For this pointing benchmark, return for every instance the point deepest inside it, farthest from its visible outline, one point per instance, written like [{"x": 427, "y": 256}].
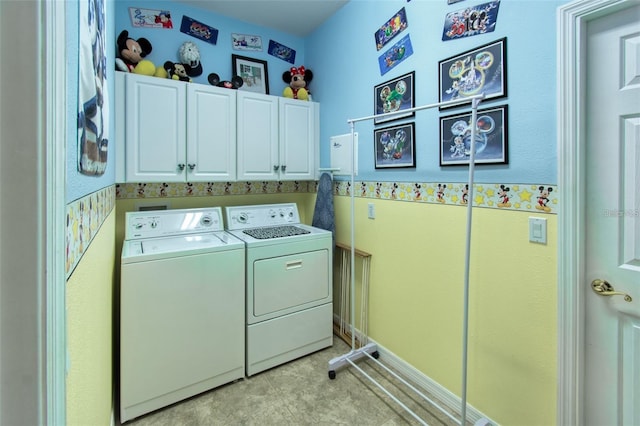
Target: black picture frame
[
  {"x": 395, "y": 146},
  {"x": 394, "y": 96},
  {"x": 482, "y": 70},
  {"x": 491, "y": 137},
  {"x": 254, "y": 73}
]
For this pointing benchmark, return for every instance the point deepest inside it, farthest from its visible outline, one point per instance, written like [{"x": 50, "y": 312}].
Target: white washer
[
  {"x": 181, "y": 308},
  {"x": 289, "y": 283}
]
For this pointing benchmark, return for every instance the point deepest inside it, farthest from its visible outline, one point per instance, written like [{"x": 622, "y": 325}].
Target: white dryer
[
  {"x": 289, "y": 283},
  {"x": 181, "y": 308}
]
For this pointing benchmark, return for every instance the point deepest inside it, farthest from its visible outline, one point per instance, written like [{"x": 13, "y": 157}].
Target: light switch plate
[
  {"x": 371, "y": 211},
  {"x": 538, "y": 230}
]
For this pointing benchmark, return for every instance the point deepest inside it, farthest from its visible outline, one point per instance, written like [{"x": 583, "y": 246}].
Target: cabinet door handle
[
  {"x": 181, "y": 167},
  {"x": 275, "y": 168},
  {"x": 192, "y": 166},
  {"x": 284, "y": 168}
]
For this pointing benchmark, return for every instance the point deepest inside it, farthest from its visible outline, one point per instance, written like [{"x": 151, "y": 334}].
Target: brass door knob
[{"x": 603, "y": 288}]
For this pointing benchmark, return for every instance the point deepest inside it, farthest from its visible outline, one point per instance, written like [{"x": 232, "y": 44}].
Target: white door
[
  {"x": 612, "y": 217},
  {"x": 211, "y": 133}
]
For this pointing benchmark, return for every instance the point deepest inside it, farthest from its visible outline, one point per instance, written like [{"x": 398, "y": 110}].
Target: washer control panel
[
  {"x": 247, "y": 217},
  {"x": 149, "y": 224}
]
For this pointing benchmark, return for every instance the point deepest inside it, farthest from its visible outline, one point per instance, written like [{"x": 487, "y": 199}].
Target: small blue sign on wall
[
  {"x": 199, "y": 30},
  {"x": 391, "y": 28},
  {"x": 396, "y": 54},
  {"x": 281, "y": 51}
]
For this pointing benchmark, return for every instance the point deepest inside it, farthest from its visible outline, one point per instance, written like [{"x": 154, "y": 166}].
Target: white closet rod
[
  {"x": 470, "y": 99},
  {"x": 371, "y": 348}
]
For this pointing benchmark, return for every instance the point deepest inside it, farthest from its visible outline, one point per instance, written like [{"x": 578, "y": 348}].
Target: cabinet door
[
  {"x": 155, "y": 129},
  {"x": 211, "y": 133},
  {"x": 298, "y": 139},
  {"x": 257, "y": 136}
]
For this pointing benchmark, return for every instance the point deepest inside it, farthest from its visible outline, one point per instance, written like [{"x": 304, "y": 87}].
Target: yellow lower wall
[
  {"x": 416, "y": 300},
  {"x": 416, "y": 294},
  {"x": 90, "y": 331}
]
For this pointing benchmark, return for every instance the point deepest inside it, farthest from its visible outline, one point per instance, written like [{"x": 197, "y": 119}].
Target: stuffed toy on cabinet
[
  {"x": 178, "y": 71},
  {"x": 297, "y": 79},
  {"x": 190, "y": 55},
  {"x": 130, "y": 54}
]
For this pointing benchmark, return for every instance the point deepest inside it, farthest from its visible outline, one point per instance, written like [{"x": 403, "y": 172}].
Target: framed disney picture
[
  {"x": 254, "y": 73},
  {"x": 482, "y": 70},
  {"x": 491, "y": 137},
  {"x": 395, "y": 146},
  {"x": 394, "y": 96}
]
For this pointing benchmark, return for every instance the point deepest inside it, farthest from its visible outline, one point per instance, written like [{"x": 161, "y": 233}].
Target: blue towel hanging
[{"x": 323, "y": 215}]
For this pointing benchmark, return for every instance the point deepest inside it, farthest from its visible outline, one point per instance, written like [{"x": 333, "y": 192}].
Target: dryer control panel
[
  {"x": 247, "y": 217},
  {"x": 161, "y": 223}
]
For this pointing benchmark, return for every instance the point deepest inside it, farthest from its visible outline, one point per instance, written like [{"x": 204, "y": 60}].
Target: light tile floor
[{"x": 301, "y": 393}]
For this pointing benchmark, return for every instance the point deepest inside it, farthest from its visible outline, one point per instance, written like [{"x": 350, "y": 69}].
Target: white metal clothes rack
[{"x": 370, "y": 350}]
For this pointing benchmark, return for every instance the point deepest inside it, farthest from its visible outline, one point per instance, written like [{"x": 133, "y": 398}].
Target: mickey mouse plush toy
[
  {"x": 297, "y": 79},
  {"x": 131, "y": 53},
  {"x": 178, "y": 71}
]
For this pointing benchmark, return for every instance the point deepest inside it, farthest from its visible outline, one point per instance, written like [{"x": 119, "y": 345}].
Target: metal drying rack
[{"x": 370, "y": 350}]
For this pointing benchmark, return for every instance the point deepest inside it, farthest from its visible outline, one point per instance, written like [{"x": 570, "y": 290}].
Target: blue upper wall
[
  {"x": 344, "y": 59},
  {"x": 215, "y": 58},
  {"x": 343, "y": 56}
]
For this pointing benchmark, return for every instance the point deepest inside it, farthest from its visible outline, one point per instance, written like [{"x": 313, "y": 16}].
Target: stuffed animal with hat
[
  {"x": 297, "y": 79},
  {"x": 190, "y": 55},
  {"x": 131, "y": 53}
]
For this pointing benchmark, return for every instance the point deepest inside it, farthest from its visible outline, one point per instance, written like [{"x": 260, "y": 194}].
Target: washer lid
[{"x": 153, "y": 248}]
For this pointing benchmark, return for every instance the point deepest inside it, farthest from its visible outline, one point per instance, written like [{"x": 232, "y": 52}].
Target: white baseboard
[{"x": 422, "y": 382}]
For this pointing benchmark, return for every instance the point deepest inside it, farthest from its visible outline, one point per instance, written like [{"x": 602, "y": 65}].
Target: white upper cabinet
[
  {"x": 277, "y": 138},
  {"x": 257, "y": 142},
  {"x": 298, "y": 137},
  {"x": 175, "y": 131},
  {"x": 155, "y": 137},
  {"x": 172, "y": 131},
  {"x": 211, "y": 133}
]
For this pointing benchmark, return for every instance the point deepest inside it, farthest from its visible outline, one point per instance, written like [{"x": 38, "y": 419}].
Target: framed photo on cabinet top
[
  {"x": 394, "y": 96},
  {"x": 395, "y": 146},
  {"x": 491, "y": 137},
  {"x": 482, "y": 70},
  {"x": 254, "y": 73}
]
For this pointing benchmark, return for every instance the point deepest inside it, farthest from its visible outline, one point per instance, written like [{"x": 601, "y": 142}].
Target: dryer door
[{"x": 289, "y": 283}]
